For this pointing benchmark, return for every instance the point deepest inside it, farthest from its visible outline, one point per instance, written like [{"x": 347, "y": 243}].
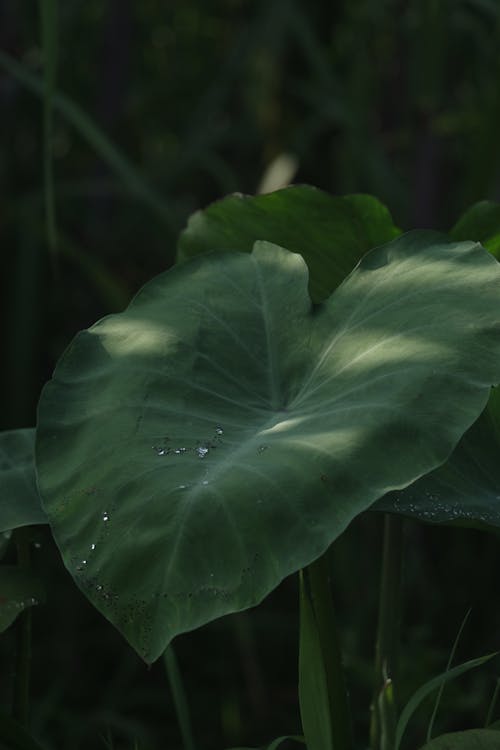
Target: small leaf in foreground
[{"x": 472, "y": 739}]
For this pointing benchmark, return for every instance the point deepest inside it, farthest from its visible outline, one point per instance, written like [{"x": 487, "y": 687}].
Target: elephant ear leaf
[
  {"x": 19, "y": 499},
  {"x": 332, "y": 233},
  {"x": 222, "y": 431}
]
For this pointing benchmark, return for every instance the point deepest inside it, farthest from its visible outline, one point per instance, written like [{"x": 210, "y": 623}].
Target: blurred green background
[{"x": 163, "y": 108}]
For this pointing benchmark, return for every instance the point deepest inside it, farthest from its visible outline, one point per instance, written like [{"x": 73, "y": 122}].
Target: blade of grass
[
  {"x": 48, "y": 18},
  {"x": 179, "y": 696},
  {"x": 441, "y": 687},
  {"x": 114, "y": 293},
  {"x": 491, "y": 708},
  {"x": 383, "y": 718},
  {"x": 96, "y": 138},
  {"x": 23, "y": 647},
  {"x": 432, "y": 685},
  {"x": 276, "y": 743},
  {"x": 324, "y": 705}
]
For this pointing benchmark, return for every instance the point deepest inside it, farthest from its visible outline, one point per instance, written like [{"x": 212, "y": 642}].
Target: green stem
[
  {"x": 383, "y": 719},
  {"x": 23, "y": 645},
  {"x": 179, "y": 697},
  {"x": 48, "y": 17},
  {"x": 324, "y": 703}
]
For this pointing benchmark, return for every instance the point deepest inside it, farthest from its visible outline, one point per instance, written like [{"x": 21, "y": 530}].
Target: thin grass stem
[
  {"x": 22, "y": 677},
  {"x": 179, "y": 698},
  {"x": 384, "y": 707},
  {"x": 448, "y": 667},
  {"x": 48, "y": 17}
]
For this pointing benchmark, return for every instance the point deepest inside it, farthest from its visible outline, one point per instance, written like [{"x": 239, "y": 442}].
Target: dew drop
[
  {"x": 219, "y": 430},
  {"x": 263, "y": 448},
  {"x": 202, "y": 451},
  {"x": 105, "y": 516},
  {"x": 92, "y": 546}
]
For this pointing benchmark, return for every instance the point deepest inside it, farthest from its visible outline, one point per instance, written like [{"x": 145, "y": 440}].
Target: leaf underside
[{"x": 465, "y": 491}]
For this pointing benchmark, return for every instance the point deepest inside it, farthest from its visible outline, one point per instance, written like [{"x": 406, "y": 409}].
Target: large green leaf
[
  {"x": 331, "y": 233},
  {"x": 466, "y": 489},
  {"x": 481, "y": 222},
  {"x": 19, "y": 498},
  {"x": 472, "y": 739},
  {"x": 221, "y": 432}
]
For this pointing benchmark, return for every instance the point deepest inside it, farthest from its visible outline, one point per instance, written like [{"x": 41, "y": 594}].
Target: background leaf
[
  {"x": 481, "y": 222},
  {"x": 331, "y": 233},
  {"x": 19, "y": 498},
  {"x": 19, "y": 589},
  {"x": 178, "y": 439},
  {"x": 466, "y": 489}
]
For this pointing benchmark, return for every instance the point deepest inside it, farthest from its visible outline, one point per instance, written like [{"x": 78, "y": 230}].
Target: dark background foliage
[{"x": 198, "y": 99}]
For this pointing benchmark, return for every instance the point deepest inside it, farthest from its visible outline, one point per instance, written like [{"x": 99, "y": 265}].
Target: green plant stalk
[
  {"x": 448, "y": 667},
  {"x": 179, "y": 696},
  {"x": 48, "y": 17},
  {"x": 383, "y": 718},
  {"x": 23, "y": 646},
  {"x": 315, "y": 585}
]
